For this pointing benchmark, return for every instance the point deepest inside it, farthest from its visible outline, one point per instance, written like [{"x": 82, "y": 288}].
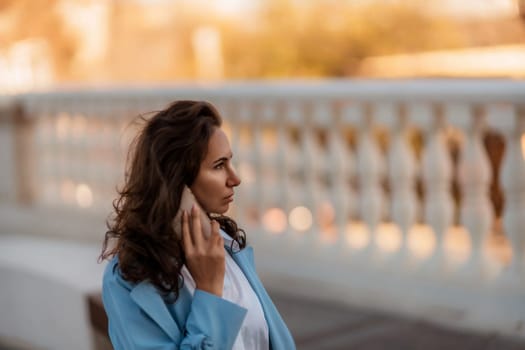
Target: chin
[{"x": 221, "y": 210}]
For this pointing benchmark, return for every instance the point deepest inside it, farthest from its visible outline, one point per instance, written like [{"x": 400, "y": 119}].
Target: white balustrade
[{"x": 301, "y": 149}]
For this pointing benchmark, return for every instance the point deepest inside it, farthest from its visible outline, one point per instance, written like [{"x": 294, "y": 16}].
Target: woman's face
[{"x": 213, "y": 187}]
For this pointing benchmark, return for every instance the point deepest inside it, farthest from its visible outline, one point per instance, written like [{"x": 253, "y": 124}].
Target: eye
[{"x": 219, "y": 166}]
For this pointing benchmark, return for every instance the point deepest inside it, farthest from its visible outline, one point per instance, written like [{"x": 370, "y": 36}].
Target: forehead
[{"x": 218, "y": 145}]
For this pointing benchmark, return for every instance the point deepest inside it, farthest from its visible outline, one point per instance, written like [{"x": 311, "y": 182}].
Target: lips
[{"x": 229, "y": 198}]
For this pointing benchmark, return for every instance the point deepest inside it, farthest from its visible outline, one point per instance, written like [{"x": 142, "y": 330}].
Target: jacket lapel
[{"x": 149, "y": 300}]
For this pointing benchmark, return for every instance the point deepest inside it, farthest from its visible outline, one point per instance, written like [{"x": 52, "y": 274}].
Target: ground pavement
[{"x": 330, "y": 326}]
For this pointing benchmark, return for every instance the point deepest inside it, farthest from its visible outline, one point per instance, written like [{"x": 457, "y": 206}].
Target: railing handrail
[{"x": 427, "y": 90}]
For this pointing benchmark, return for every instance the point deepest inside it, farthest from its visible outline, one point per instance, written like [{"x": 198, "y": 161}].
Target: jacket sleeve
[{"x": 212, "y": 322}]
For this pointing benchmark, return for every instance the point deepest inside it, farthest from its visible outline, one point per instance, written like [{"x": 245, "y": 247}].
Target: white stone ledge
[
  {"x": 44, "y": 284},
  {"x": 71, "y": 224}
]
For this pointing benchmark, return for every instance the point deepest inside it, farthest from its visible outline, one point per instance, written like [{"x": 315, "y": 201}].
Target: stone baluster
[
  {"x": 259, "y": 198},
  {"x": 94, "y": 156},
  {"x": 511, "y": 120},
  {"x": 112, "y": 158},
  {"x": 124, "y": 133},
  {"x": 75, "y": 142},
  {"x": 340, "y": 162},
  {"x": 9, "y": 113},
  {"x": 370, "y": 172},
  {"x": 113, "y": 135},
  {"x": 228, "y": 112},
  {"x": 474, "y": 176},
  {"x": 401, "y": 174},
  {"x": 283, "y": 155},
  {"x": 60, "y": 159},
  {"x": 294, "y": 157},
  {"x": 46, "y": 150},
  {"x": 294, "y": 116},
  {"x": 271, "y": 187},
  {"x": 323, "y": 115},
  {"x": 437, "y": 175},
  {"x": 102, "y": 155},
  {"x": 311, "y": 158},
  {"x": 18, "y": 128},
  {"x": 246, "y": 165}
]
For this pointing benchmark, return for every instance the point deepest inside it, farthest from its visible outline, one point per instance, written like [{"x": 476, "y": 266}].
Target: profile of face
[{"x": 215, "y": 182}]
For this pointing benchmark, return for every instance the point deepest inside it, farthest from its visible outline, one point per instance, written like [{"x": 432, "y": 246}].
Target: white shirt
[{"x": 253, "y": 334}]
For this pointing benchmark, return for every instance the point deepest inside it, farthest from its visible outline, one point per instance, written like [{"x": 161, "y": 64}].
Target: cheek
[{"x": 206, "y": 190}]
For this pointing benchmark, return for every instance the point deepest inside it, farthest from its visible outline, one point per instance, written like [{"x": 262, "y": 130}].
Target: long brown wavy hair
[{"x": 165, "y": 155}]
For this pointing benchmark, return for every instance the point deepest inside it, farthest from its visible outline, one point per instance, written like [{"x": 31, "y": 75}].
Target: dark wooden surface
[
  {"x": 97, "y": 315},
  {"x": 324, "y": 325}
]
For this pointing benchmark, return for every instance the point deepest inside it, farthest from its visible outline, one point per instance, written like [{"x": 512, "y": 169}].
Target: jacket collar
[
  {"x": 146, "y": 296},
  {"x": 148, "y": 299}
]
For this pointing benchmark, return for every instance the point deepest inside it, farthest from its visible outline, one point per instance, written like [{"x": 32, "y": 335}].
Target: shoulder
[
  {"x": 113, "y": 283},
  {"x": 121, "y": 291}
]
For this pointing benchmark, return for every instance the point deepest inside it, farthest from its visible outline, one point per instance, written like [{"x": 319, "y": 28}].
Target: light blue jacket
[{"x": 139, "y": 318}]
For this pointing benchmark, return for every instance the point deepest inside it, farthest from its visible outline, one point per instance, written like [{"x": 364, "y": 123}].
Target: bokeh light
[
  {"x": 301, "y": 218},
  {"x": 388, "y": 237},
  {"x": 84, "y": 196},
  {"x": 523, "y": 146},
  {"x": 325, "y": 214},
  {"x": 457, "y": 244},
  {"x": 357, "y": 235},
  {"x": 274, "y": 220},
  {"x": 421, "y": 241}
]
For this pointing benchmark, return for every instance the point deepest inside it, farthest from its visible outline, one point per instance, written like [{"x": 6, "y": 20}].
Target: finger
[
  {"x": 215, "y": 234},
  {"x": 196, "y": 226},
  {"x": 215, "y": 227},
  {"x": 185, "y": 228},
  {"x": 220, "y": 242}
]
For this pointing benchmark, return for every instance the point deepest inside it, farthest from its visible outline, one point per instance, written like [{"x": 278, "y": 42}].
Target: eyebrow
[{"x": 223, "y": 159}]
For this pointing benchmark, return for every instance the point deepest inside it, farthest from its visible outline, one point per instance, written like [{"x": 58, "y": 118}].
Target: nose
[{"x": 233, "y": 179}]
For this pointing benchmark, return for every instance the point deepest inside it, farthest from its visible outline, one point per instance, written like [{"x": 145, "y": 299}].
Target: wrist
[{"x": 209, "y": 289}]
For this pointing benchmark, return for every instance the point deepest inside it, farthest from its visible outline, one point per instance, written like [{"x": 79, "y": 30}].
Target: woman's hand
[{"x": 204, "y": 256}]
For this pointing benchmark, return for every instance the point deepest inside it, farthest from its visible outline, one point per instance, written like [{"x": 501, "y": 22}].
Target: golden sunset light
[{"x": 95, "y": 41}]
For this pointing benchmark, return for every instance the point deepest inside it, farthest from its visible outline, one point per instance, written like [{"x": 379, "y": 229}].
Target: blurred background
[
  {"x": 46, "y": 43},
  {"x": 381, "y": 145}
]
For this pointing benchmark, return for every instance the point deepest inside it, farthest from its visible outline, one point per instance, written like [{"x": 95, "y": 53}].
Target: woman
[{"x": 170, "y": 286}]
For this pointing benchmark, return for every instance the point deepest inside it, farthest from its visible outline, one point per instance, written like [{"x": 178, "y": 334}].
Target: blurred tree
[
  {"x": 152, "y": 41},
  {"x": 38, "y": 19},
  {"x": 331, "y": 37}
]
